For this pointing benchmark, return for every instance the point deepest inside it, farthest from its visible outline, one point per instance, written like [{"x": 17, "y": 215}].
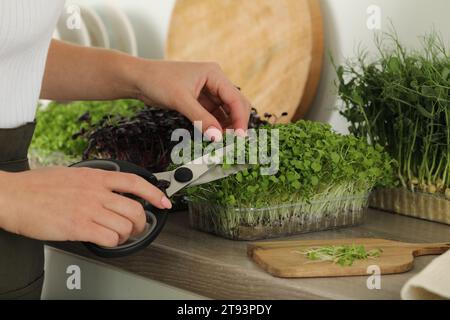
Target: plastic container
[
  {"x": 38, "y": 160},
  {"x": 277, "y": 221},
  {"x": 432, "y": 207}
]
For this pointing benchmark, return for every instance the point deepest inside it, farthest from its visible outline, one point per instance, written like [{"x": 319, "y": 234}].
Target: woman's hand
[
  {"x": 75, "y": 204},
  {"x": 200, "y": 91}
]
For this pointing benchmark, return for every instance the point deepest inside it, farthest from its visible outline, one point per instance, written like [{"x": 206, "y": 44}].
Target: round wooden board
[{"x": 272, "y": 49}]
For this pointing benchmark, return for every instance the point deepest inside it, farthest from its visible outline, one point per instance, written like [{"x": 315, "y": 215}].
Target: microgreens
[
  {"x": 343, "y": 255},
  {"x": 401, "y": 101},
  {"x": 314, "y": 163},
  {"x": 58, "y": 122}
]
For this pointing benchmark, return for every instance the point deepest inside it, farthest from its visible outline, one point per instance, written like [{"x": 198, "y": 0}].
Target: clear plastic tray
[
  {"x": 38, "y": 160},
  {"x": 433, "y": 207},
  {"x": 277, "y": 221}
]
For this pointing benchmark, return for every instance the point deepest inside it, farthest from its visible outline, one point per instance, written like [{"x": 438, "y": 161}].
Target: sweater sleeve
[{"x": 26, "y": 28}]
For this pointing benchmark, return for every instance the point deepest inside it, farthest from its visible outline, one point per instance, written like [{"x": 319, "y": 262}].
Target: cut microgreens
[
  {"x": 344, "y": 255},
  {"x": 401, "y": 101}
]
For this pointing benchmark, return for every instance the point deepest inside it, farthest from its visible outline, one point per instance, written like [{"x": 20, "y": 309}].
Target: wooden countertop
[{"x": 220, "y": 269}]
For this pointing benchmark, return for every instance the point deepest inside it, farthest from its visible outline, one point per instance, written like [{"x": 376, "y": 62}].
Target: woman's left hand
[{"x": 200, "y": 91}]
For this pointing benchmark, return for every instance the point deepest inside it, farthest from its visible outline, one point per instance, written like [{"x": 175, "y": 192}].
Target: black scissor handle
[{"x": 156, "y": 218}]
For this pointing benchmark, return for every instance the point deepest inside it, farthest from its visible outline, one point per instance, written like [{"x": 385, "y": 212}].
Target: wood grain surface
[
  {"x": 273, "y": 50},
  {"x": 220, "y": 269},
  {"x": 286, "y": 259}
]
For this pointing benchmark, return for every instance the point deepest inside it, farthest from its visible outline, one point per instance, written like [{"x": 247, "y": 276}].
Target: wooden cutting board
[
  {"x": 282, "y": 258},
  {"x": 272, "y": 50}
]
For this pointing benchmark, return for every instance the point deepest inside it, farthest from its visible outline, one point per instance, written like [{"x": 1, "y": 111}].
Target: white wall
[{"x": 345, "y": 29}]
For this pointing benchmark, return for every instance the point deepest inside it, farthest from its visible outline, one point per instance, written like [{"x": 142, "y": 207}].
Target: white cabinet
[{"x": 100, "y": 281}]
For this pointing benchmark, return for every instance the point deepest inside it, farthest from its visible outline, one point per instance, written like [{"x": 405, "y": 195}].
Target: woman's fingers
[
  {"x": 133, "y": 184},
  {"x": 116, "y": 223},
  {"x": 217, "y": 92},
  {"x": 216, "y": 100},
  {"x": 207, "y": 103},
  {"x": 239, "y": 108},
  {"x": 216, "y": 109},
  {"x": 100, "y": 235},
  {"x": 183, "y": 85},
  {"x": 76, "y": 204},
  {"x": 128, "y": 209},
  {"x": 210, "y": 125}
]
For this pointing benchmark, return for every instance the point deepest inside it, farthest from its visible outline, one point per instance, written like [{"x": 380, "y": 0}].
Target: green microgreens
[
  {"x": 344, "y": 255},
  {"x": 401, "y": 101},
  {"x": 58, "y": 122},
  {"x": 314, "y": 163}
]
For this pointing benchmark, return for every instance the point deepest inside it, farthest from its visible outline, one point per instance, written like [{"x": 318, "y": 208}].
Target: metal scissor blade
[
  {"x": 198, "y": 170},
  {"x": 217, "y": 173},
  {"x": 216, "y": 157},
  {"x": 205, "y": 169}
]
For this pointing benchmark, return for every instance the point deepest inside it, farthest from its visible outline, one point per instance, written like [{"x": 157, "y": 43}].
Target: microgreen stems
[
  {"x": 246, "y": 223},
  {"x": 344, "y": 255}
]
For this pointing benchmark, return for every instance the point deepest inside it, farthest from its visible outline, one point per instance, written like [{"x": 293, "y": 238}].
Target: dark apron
[{"x": 21, "y": 259}]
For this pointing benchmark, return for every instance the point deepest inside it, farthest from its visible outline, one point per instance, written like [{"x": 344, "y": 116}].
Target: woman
[{"x": 60, "y": 204}]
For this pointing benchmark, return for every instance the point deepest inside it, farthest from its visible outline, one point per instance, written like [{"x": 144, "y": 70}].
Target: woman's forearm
[
  {"x": 80, "y": 73},
  {"x": 200, "y": 91}
]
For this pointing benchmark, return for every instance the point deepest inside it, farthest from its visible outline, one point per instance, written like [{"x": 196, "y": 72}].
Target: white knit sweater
[{"x": 26, "y": 27}]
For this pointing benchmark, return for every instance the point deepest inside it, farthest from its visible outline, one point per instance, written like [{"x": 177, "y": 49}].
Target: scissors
[{"x": 203, "y": 170}]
